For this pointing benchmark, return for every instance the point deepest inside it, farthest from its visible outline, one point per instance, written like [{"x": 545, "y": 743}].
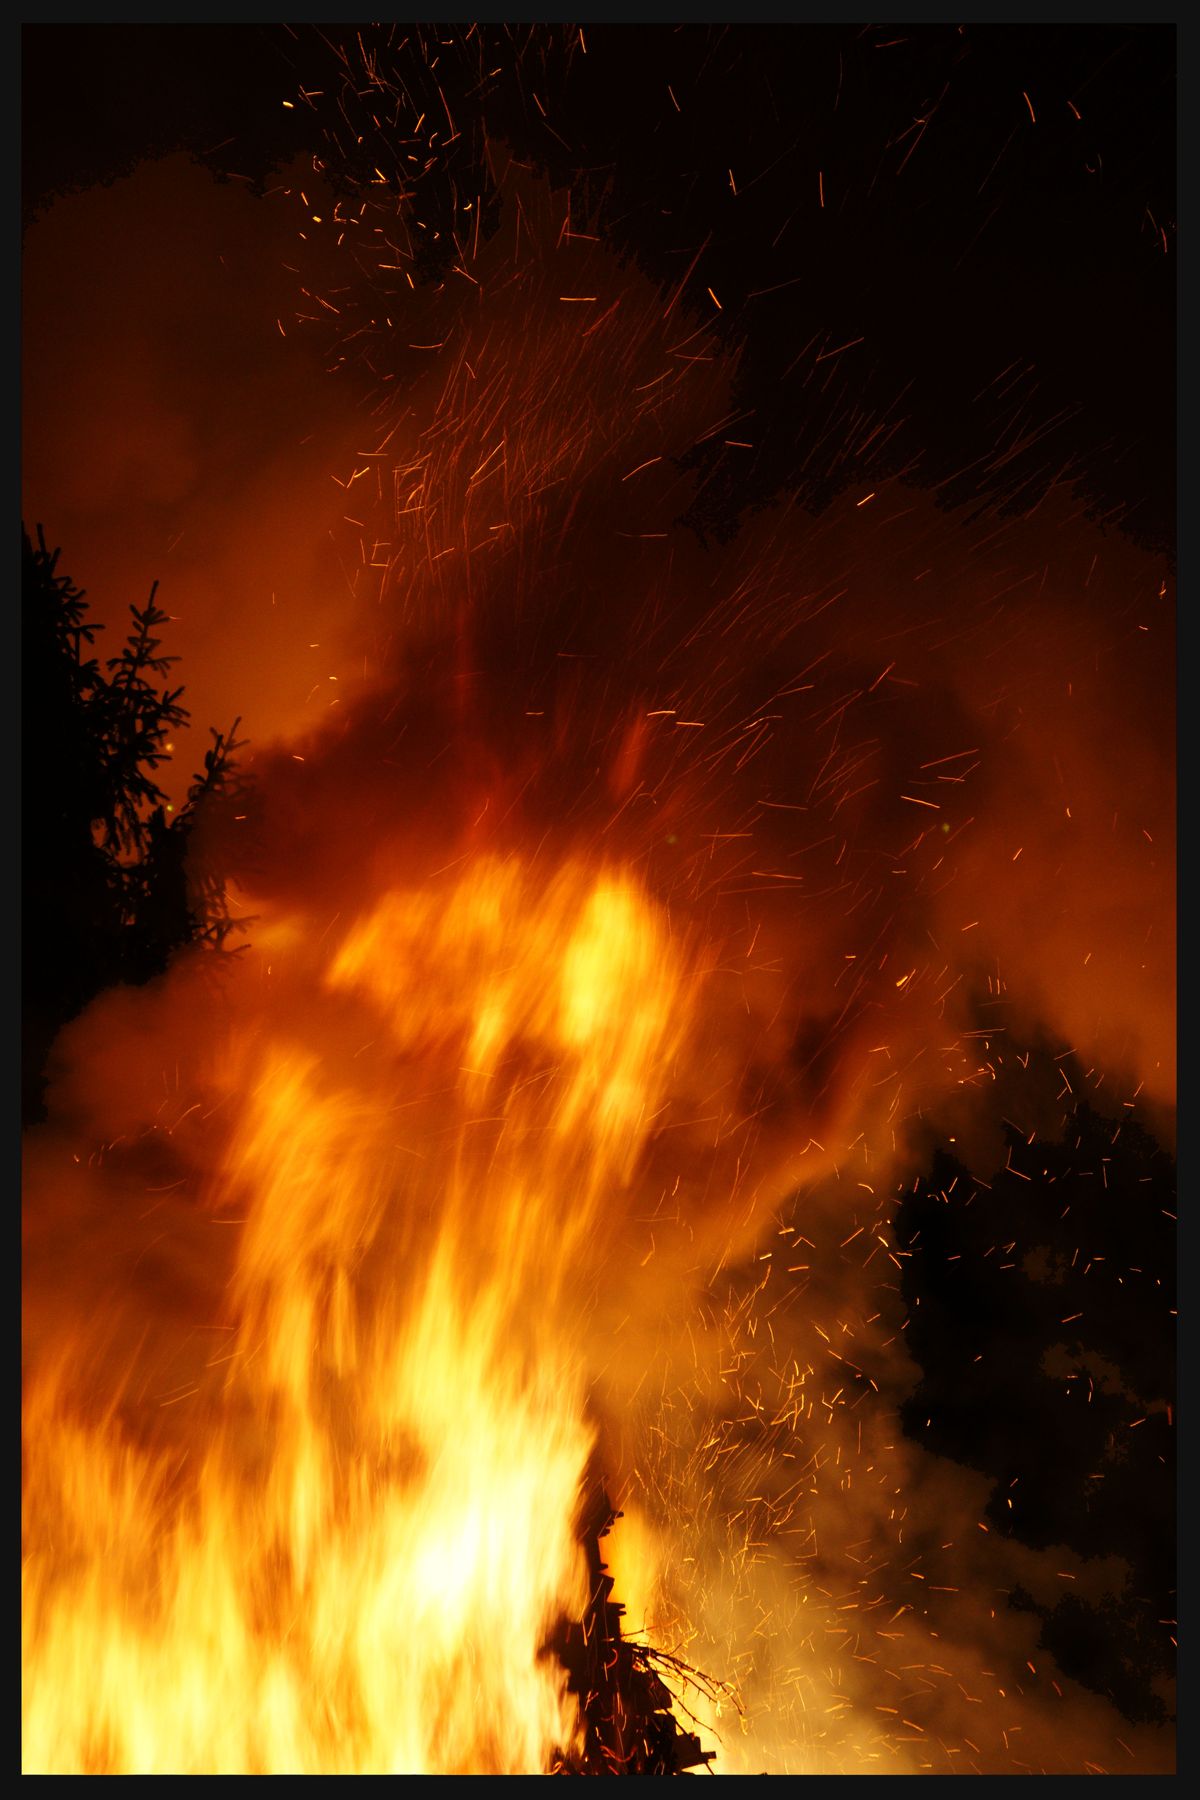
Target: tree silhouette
[
  {"x": 1042, "y": 1317},
  {"x": 109, "y": 888}
]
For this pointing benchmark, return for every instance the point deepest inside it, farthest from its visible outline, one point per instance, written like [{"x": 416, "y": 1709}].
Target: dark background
[{"x": 1010, "y": 272}]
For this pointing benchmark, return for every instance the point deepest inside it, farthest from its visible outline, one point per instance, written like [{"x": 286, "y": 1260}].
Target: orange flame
[{"x": 352, "y": 1557}]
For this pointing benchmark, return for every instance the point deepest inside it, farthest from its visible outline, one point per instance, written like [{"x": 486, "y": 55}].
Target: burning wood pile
[{"x": 626, "y": 1709}]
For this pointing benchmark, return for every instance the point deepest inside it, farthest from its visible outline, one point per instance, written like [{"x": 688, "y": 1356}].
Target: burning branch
[{"x": 629, "y": 1727}]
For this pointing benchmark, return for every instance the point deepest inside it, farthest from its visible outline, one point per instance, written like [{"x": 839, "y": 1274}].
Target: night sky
[
  {"x": 951, "y": 236},
  {"x": 933, "y": 269}
]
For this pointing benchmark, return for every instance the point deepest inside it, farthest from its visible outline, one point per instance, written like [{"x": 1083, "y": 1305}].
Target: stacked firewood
[{"x": 629, "y": 1725}]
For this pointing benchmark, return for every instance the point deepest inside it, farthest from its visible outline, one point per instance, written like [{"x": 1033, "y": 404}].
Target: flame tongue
[{"x": 343, "y": 1546}]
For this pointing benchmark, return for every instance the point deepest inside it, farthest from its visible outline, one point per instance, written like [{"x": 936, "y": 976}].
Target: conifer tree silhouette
[
  {"x": 109, "y": 891},
  {"x": 1042, "y": 1320}
]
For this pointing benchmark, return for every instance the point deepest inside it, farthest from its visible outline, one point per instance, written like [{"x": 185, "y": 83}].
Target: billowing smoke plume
[{"x": 895, "y": 781}]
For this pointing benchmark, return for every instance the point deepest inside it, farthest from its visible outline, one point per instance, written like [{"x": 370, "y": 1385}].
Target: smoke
[
  {"x": 900, "y": 780},
  {"x": 172, "y": 433}
]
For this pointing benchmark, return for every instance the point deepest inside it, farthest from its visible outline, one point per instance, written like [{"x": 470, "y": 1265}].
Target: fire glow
[
  {"x": 624, "y": 915},
  {"x": 357, "y": 1562}
]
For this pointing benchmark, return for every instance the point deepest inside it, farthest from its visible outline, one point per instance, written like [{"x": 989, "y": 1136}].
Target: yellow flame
[{"x": 342, "y": 1548}]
